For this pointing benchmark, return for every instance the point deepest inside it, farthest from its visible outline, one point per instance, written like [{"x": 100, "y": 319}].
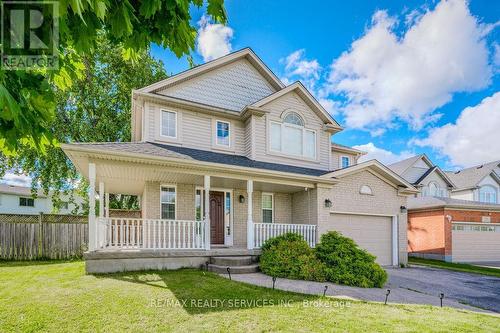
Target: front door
[{"x": 216, "y": 217}]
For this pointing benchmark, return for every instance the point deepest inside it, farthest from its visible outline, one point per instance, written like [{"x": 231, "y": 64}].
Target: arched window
[
  {"x": 291, "y": 137},
  {"x": 365, "y": 189},
  {"x": 294, "y": 119},
  {"x": 433, "y": 189},
  {"x": 488, "y": 194}
]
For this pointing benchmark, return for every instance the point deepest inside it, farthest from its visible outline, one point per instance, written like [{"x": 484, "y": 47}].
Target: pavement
[
  {"x": 489, "y": 264},
  {"x": 411, "y": 285}
]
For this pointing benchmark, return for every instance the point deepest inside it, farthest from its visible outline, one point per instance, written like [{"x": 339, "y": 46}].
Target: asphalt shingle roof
[
  {"x": 162, "y": 150},
  {"x": 401, "y": 166},
  {"x": 470, "y": 177},
  {"x": 428, "y": 202}
]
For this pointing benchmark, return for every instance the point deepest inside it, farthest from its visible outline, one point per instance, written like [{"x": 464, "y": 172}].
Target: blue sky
[{"x": 436, "y": 59}]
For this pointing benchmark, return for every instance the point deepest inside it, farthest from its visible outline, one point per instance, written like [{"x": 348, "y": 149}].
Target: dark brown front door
[{"x": 217, "y": 217}]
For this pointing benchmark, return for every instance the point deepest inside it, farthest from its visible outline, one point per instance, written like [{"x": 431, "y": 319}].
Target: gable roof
[
  {"x": 440, "y": 172},
  {"x": 403, "y": 165},
  {"x": 246, "y": 53},
  {"x": 299, "y": 88},
  {"x": 471, "y": 177},
  {"x": 382, "y": 172},
  {"x": 343, "y": 148}
]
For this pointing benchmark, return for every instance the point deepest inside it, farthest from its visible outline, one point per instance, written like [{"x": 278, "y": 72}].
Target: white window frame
[
  {"x": 175, "y": 204},
  {"x": 282, "y": 152},
  {"x": 341, "y": 166},
  {"x": 217, "y": 134},
  {"x": 176, "y": 124},
  {"x": 438, "y": 189},
  {"x": 494, "y": 191},
  {"x": 272, "y": 205}
]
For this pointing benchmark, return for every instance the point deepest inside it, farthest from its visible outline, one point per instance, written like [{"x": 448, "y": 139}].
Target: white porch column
[
  {"x": 250, "y": 236},
  {"x": 107, "y": 204},
  {"x": 207, "y": 212},
  {"x": 101, "y": 199},
  {"x": 92, "y": 220}
]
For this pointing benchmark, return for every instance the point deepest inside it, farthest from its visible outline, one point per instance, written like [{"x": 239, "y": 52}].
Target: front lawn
[
  {"x": 59, "y": 297},
  {"x": 455, "y": 267}
]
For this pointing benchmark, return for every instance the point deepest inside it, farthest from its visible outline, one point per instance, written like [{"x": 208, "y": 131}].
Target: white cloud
[
  {"x": 297, "y": 67},
  {"x": 295, "y": 64},
  {"x": 386, "y": 77},
  {"x": 474, "y": 138},
  {"x": 380, "y": 154},
  {"x": 214, "y": 40},
  {"x": 17, "y": 180}
]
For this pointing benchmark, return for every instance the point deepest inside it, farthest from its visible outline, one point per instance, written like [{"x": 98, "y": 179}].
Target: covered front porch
[{"x": 240, "y": 212}]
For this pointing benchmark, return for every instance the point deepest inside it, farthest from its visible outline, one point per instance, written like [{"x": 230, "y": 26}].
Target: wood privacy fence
[{"x": 44, "y": 236}]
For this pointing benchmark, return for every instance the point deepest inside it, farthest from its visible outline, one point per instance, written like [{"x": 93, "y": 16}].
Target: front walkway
[{"x": 414, "y": 285}]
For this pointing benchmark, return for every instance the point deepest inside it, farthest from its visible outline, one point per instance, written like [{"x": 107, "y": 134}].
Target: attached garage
[
  {"x": 453, "y": 230},
  {"x": 475, "y": 242},
  {"x": 371, "y": 232}
]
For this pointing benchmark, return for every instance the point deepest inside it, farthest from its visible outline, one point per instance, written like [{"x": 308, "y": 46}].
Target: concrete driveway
[{"x": 413, "y": 285}]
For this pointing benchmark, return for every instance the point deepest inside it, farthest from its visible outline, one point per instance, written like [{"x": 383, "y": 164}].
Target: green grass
[
  {"x": 456, "y": 267},
  {"x": 59, "y": 297}
]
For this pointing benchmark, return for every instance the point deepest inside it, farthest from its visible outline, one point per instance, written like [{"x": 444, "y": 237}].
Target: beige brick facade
[{"x": 303, "y": 207}]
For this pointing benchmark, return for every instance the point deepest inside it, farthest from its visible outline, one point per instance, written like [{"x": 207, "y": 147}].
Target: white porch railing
[
  {"x": 130, "y": 233},
  {"x": 264, "y": 231}
]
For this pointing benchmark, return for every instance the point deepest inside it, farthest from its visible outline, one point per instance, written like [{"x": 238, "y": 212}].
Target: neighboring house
[
  {"x": 424, "y": 175},
  {"x": 19, "y": 200},
  {"x": 446, "y": 228},
  {"x": 478, "y": 183},
  {"x": 343, "y": 156},
  {"x": 224, "y": 156}
]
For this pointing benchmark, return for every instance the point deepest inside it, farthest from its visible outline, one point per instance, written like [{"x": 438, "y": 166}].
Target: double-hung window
[
  {"x": 345, "y": 162},
  {"x": 223, "y": 129},
  {"x": 168, "y": 124},
  {"x": 292, "y": 138},
  {"x": 168, "y": 201},
  {"x": 27, "y": 202},
  {"x": 267, "y": 208}
]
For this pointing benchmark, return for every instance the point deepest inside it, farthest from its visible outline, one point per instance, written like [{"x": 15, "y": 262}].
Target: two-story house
[
  {"x": 225, "y": 156},
  {"x": 19, "y": 200},
  {"x": 425, "y": 176},
  {"x": 455, "y": 217},
  {"x": 479, "y": 183}
]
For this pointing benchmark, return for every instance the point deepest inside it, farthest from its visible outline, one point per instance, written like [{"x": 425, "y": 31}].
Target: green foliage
[
  {"x": 336, "y": 259},
  {"x": 27, "y": 101},
  {"x": 95, "y": 108},
  {"x": 290, "y": 256},
  {"x": 347, "y": 263}
]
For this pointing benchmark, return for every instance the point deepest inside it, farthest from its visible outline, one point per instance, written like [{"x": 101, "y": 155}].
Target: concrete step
[
  {"x": 234, "y": 269},
  {"x": 232, "y": 261}
]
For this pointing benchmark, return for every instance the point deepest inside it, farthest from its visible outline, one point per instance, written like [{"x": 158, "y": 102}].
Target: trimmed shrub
[
  {"x": 289, "y": 256},
  {"x": 347, "y": 264}
]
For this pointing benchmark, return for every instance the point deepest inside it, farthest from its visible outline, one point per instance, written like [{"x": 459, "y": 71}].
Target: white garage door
[
  {"x": 372, "y": 233},
  {"x": 473, "y": 242}
]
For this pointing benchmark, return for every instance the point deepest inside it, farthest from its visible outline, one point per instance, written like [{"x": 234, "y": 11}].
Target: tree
[
  {"x": 96, "y": 108},
  {"x": 27, "y": 100}
]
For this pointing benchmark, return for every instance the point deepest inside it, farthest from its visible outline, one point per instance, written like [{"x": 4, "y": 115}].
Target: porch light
[
  {"x": 403, "y": 209},
  {"x": 241, "y": 198},
  {"x": 328, "y": 203}
]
